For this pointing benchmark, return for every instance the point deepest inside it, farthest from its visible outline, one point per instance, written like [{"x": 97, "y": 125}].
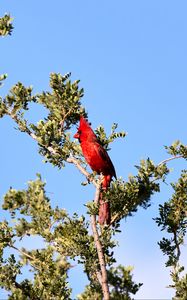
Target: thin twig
[
  {"x": 170, "y": 158},
  {"x": 24, "y": 254},
  {"x": 115, "y": 217},
  {"x": 76, "y": 162}
]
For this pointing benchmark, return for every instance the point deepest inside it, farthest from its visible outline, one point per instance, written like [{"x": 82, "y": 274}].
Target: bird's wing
[{"x": 105, "y": 157}]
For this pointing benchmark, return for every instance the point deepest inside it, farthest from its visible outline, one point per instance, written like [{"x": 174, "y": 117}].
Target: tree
[{"x": 68, "y": 237}]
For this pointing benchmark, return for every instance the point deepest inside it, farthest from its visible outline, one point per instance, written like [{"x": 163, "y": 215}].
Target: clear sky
[{"x": 131, "y": 58}]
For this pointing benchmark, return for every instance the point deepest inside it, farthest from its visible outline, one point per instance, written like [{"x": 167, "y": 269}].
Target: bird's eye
[{"x": 79, "y": 131}]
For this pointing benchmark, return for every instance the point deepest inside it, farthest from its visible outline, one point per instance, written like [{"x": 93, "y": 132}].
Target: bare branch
[
  {"x": 76, "y": 162},
  {"x": 168, "y": 159}
]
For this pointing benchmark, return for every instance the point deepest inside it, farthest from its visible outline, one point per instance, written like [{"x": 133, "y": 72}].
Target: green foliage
[
  {"x": 19, "y": 98},
  {"x": 91, "y": 292},
  {"x": 6, "y": 26},
  {"x": 63, "y": 102},
  {"x": 126, "y": 196},
  {"x": 9, "y": 270},
  {"x": 173, "y": 219},
  {"x": 32, "y": 215},
  {"x": 120, "y": 283},
  {"x": 2, "y": 105},
  {"x": 64, "y": 109},
  {"x": 2, "y": 78},
  {"x": 177, "y": 148},
  {"x": 6, "y": 235},
  {"x": 49, "y": 281},
  {"x": 78, "y": 244},
  {"x": 180, "y": 285},
  {"x": 29, "y": 203},
  {"x": 16, "y": 102},
  {"x": 102, "y": 137},
  {"x": 64, "y": 237}
]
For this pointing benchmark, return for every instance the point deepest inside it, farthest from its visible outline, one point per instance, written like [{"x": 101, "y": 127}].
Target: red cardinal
[{"x": 100, "y": 162}]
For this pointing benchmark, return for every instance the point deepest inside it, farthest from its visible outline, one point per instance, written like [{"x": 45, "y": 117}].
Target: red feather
[{"x": 99, "y": 161}]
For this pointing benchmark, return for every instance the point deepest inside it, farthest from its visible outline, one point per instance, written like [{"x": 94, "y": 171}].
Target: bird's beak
[{"x": 76, "y": 135}]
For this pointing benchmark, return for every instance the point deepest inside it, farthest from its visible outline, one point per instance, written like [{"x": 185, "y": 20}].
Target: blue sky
[{"x": 131, "y": 59}]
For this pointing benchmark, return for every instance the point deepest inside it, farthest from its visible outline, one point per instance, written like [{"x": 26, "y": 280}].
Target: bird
[{"x": 99, "y": 161}]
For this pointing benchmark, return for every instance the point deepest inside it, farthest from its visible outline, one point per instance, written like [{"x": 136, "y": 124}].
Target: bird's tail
[
  {"x": 104, "y": 212},
  {"x": 104, "y": 206}
]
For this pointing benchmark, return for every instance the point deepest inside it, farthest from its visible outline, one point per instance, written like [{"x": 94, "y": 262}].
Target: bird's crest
[
  {"x": 85, "y": 131},
  {"x": 84, "y": 124}
]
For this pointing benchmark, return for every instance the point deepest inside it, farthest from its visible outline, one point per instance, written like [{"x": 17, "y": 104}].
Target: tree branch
[{"x": 102, "y": 275}]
